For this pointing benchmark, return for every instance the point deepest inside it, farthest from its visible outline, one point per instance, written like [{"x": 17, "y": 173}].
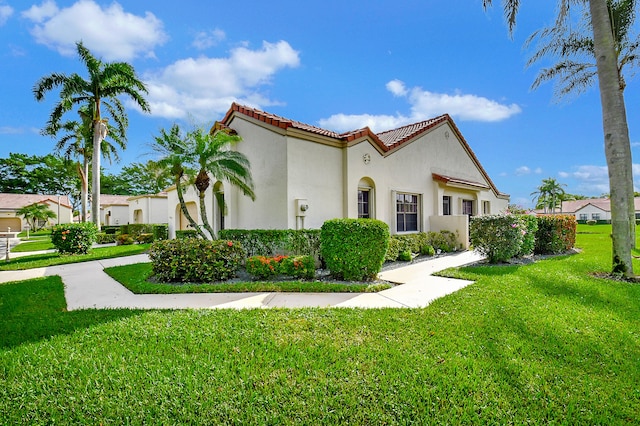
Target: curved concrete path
[{"x": 87, "y": 286}]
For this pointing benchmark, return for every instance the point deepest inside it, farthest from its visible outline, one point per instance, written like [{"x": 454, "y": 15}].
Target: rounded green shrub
[
  {"x": 405, "y": 256},
  {"x": 354, "y": 249},
  {"x": 556, "y": 234},
  {"x": 195, "y": 260},
  {"x": 499, "y": 237},
  {"x": 264, "y": 267},
  {"x": 427, "y": 250},
  {"x": 74, "y": 238}
]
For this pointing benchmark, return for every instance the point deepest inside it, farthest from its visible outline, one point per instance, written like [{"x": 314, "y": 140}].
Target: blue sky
[{"x": 340, "y": 65}]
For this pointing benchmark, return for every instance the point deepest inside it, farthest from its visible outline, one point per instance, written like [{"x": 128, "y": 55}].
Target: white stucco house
[
  {"x": 114, "y": 209},
  {"x": 148, "y": 208},
  {"x": 419, "y": 177},
  {"x": 10, "y": 203}
]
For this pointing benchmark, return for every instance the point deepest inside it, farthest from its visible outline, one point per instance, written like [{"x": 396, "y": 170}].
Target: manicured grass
[
  {"x": 51, "y": 259},
  {"x": 33, "y": 245},
  {"x": 136, "y": 278},
  {"x": 538, "y": 344}
]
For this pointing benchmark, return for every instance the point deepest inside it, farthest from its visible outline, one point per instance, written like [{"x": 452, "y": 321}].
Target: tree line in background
[{"x": 57, "y": 175}]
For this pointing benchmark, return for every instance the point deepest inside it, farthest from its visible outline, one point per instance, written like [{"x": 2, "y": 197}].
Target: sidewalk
[{"x": 87, "y": 287}]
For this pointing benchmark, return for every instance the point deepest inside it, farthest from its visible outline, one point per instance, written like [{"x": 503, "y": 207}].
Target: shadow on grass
[{"x": 36, "y": 309}]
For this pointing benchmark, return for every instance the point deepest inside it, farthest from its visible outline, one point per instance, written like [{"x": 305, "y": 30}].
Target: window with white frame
[
  {"x": 407, "y": 212},
  {"x": 595, "y": 216},
  {"x": 583, "y": 216},
  {"x": 364, "y": 197}
]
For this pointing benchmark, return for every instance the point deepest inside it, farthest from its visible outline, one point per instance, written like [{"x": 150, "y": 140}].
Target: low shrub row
[
  {"x": 195, "y": 260},
  {"x": 271, "y": 242},
  {"x": 264, "y": 267},
  {"x": 502, "y": 237},
  {"x": 427, "y": 243}
]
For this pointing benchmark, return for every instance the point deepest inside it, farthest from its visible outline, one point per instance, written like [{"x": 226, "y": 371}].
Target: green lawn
[
  {"x": 539, "y": 344},
  {"x": 52, "y": 259},
  {"x": 33, "y": 244}
]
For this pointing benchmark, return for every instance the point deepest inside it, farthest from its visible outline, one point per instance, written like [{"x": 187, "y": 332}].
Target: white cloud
[
  {"x": 108, "y": 32},
  {"x": 397, "y": 87},
  {"x": 206, "y": 39},
  {"x": 538, "y": 171},
  {"x": 425, "y": 105},
  {"x": 591, "y": 180},
  {"x": 524, "y": 170},
  {"x": 5, "y": 13},
  {"x": 205, "y": 87}
]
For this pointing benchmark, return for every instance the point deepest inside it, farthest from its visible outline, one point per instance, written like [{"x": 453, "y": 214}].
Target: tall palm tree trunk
[
  {"x": 203, "y": 213},
  {"x": 616, "y": 139},
  {"x": 83, "y": 172},
  {"x": 99, "y": 133}
]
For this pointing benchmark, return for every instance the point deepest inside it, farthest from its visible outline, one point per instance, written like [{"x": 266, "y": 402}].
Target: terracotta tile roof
[
  {"x": 114, "y": 200},
  {"x": 387, "y": 141},
  {"x": 16, "y": 201}
]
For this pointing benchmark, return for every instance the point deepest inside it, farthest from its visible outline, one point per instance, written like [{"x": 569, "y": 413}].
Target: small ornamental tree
[
  {"x": 74, "y": 238},
  {"x": 354, "y": 249}
]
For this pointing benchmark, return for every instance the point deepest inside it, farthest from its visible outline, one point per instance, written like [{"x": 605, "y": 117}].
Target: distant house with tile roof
[
  {"x": 598, "y": 209},
  {"x": 150, "y": 208},
  {"x": 11, "y": 203},
  {"x": 420, "y": 177},
  {"x": 114, "y": 209}
]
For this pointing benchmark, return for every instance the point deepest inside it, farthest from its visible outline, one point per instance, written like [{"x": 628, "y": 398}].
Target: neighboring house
[
  {"x": 114, "y": 209},
  {"x": 10, "y": 203},
  {"x": 598, "y": 209},
  {"x": 420, "y": 177},
  {"x": 148, "y": 208}
]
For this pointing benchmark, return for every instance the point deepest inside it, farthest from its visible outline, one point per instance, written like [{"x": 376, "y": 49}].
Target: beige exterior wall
[
  {"x": 148, "y": 209},
  {"x": 112, "y": 215},
  {"x": 315, "y": 170}
]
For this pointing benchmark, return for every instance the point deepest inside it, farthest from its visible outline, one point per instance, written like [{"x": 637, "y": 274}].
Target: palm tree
[
  {"x": 175, "y": 154},
  {"x": 37, "y": 212},
  {"x": 549, "y": 195},
  {"x": 77, "y": 142},
  {"x": 105, "y": 83},
  {"x": 576, "y": 68},
  {"x": 614, "y": 118},
  {"x": 215, "y": 159}
]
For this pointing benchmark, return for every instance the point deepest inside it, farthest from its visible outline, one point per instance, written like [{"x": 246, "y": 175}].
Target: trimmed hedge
[
  {"x": 529, "y": 239},
  {"x": 74, "y": 238},
  {"x": 271, "y": 242},
  {"x": 499, "y": 237},
  {"x": 195, "y": 260},
  {"x": 556, "y": 234},
  {"x": 354, "y": 249},
  {"x": 183, "y": 234},
  {"x": 105, "y": 238}
]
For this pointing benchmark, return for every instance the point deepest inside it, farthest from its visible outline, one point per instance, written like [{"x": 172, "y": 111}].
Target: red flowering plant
[{"x": 263, "y": 267}]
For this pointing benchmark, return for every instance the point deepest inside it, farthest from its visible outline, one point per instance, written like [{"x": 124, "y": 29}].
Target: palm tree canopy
[
  {"x": 212, "y": 154},
  {"x": 572, "y": 43},
  {"x": 106, "y": 81}
]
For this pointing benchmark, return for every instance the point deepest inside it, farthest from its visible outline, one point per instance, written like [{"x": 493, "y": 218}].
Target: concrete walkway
[{"x": 86, "y": 286}]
